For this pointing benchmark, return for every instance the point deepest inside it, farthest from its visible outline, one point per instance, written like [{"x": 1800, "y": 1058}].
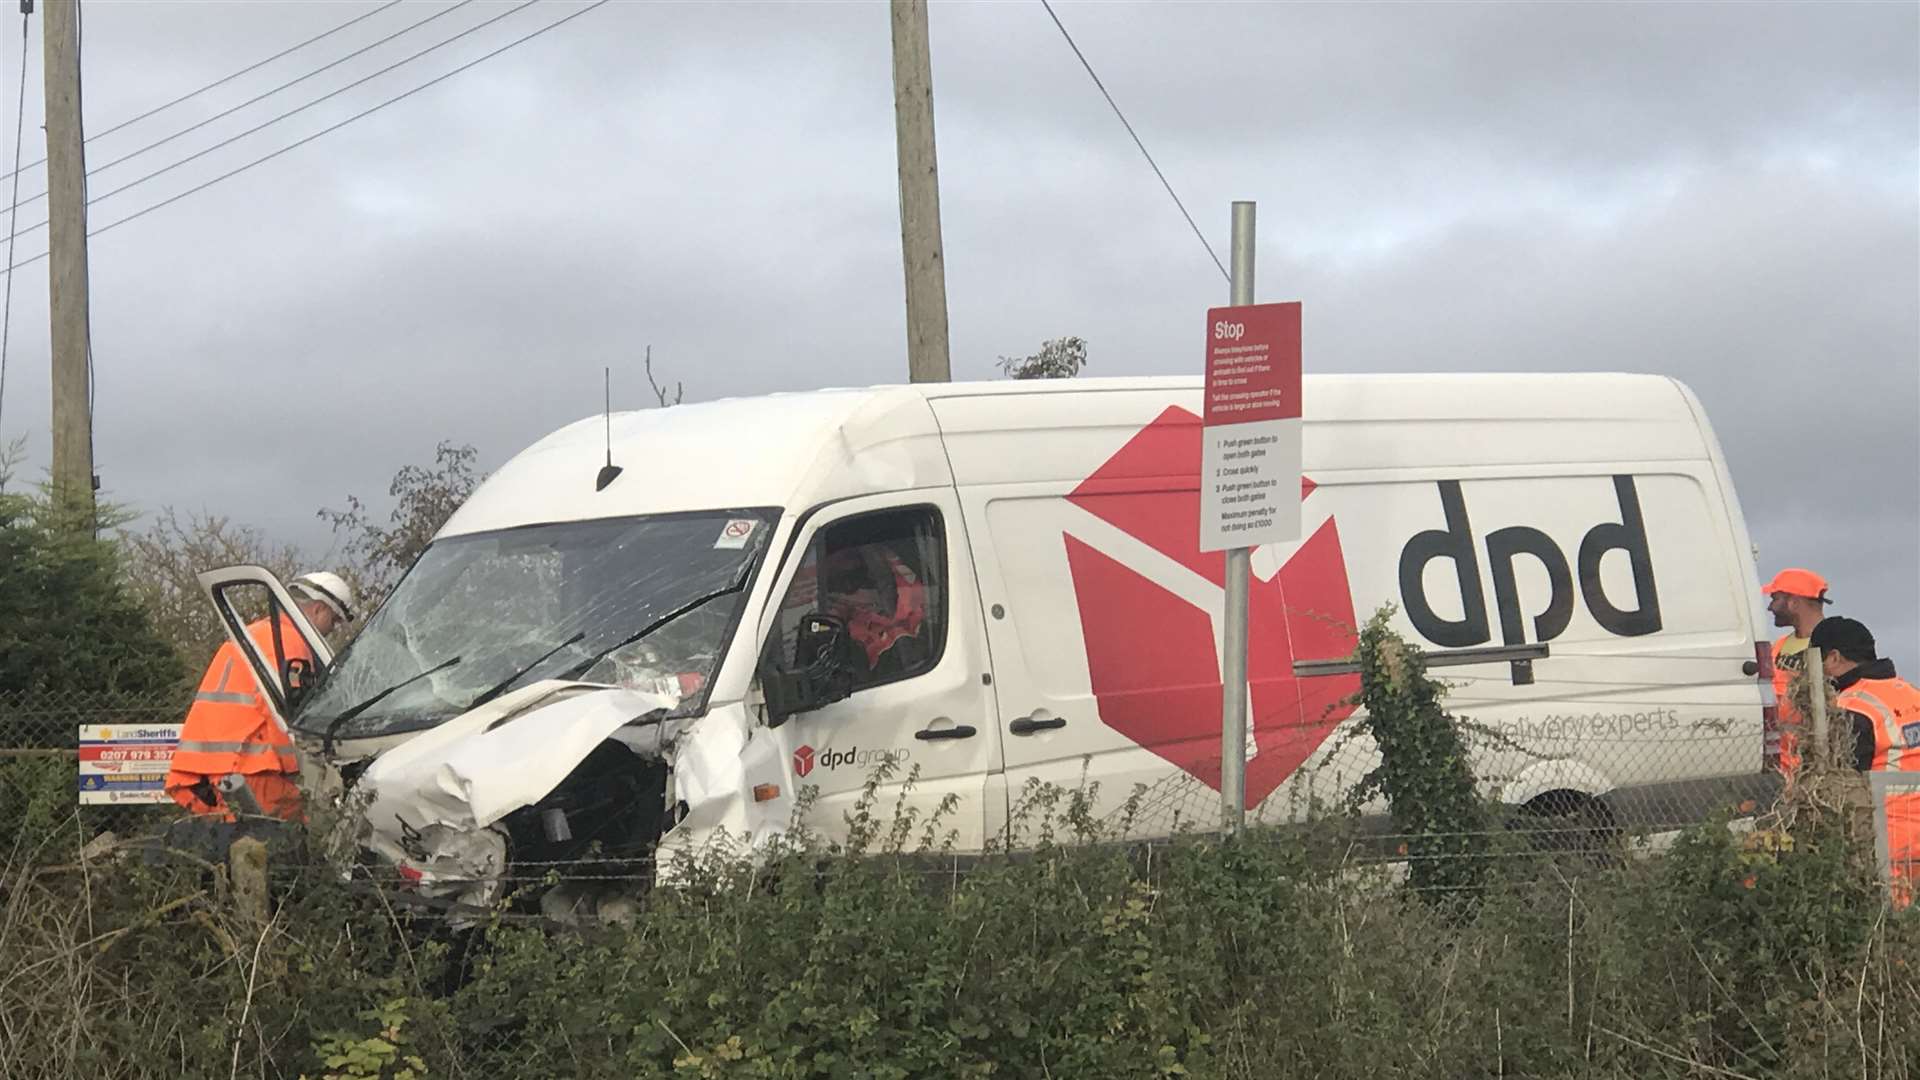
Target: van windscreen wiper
[
  {"x": 500, "y": 687},
  {"x": 334, "y": 724},
  {"x": 586, "y": 665}
]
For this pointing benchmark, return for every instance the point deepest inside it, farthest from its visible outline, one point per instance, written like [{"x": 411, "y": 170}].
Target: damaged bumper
[{"x": 550, "y": 781}]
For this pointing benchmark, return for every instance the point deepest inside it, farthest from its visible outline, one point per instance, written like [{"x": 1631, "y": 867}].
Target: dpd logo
[
  {"x": 1151, "y": 654},
  {"x": 807, "y": 758},
  {"x": 1455, "y": 544}
]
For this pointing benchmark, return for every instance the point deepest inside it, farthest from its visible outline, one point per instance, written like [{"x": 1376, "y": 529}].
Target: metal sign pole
[{"x": 1233, "y": 656}]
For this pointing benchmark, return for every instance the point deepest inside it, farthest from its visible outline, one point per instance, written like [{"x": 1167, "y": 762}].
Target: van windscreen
[{"x": 642, "y": 602}]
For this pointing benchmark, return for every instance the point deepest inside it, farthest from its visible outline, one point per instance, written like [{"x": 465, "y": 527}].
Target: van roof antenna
[{"x": 608, "y": 471}]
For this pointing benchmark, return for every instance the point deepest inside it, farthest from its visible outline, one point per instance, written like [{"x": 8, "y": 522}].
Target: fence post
[
  {"x": 247, "y": 868},
  {"x": 1816, "y": 711}
]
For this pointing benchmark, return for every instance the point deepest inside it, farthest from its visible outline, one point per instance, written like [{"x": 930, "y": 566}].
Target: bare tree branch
[{"x": 659, "y": 391}]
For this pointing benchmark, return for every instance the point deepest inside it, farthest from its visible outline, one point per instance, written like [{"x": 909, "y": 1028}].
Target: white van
[{"x": 994, "y": 584}]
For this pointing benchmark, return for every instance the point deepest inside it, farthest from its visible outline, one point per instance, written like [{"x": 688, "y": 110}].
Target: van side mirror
[{"x": 819, "y": 673}]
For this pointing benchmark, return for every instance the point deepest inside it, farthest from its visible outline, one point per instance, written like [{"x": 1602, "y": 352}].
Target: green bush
[
  {"x": 1426, "y": 769},
  {"x": 1271, "y": 953},
  {"x": 1252, "y": 957},
  {"x": 36, "y": 800},
  {"x": 67, "y": 622}
]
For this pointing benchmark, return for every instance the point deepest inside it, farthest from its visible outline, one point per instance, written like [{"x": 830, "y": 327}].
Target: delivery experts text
[{"x": 1597, "y": 725}]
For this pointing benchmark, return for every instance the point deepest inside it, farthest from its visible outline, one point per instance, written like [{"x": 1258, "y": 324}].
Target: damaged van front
[
  {"x": 521, "y": 701},
  {"x": 538, "y": 682}
]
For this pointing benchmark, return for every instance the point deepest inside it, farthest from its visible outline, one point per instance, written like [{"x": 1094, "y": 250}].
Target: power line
[
  {"x": 124, "y": 158},
  {"x": 555, "y": 25},
  {"x": 257, "y": 128},
  {"x": 19, "y": 132},
  {"x": 219, "y": 82},
  {"x": 1136, "y": 140}
]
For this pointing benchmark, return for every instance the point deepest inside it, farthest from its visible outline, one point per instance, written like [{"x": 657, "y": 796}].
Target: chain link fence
[
  {"x": 48, "y": 724},
  {"x": 1657, "y": 759},
  {"x": 1586, "y": 769},
  {"x": 1588, "y": 752},
  {"x": 117, "y": 788},
  {"x": 1150, "y": 821}
]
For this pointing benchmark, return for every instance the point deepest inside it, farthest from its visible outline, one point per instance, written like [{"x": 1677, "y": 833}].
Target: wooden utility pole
[
  {"x": 73, "y": 479},
  {"x": 926, "y": 268}
]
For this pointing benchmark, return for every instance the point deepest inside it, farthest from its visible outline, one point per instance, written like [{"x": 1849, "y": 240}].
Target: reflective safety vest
[
  {"x": 231, "y": 729},
  {"x": 876, "y": 630},
  {"x": 1893, "y": 705},
  {"x": 1785, "y": 667}
]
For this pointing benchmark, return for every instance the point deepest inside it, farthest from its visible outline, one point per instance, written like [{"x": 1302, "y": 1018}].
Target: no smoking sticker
[{"x": 736, "y": 533}]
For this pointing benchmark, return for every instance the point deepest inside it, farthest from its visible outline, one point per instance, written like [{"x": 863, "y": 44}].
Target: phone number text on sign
[{"x": 125, "y": 763}]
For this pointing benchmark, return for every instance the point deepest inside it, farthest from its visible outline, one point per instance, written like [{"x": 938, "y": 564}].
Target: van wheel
[{"x": 1572, "y": 828}]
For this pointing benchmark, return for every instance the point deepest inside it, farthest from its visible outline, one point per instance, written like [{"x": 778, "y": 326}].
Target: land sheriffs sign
[
  {"x": 1251, "y": 467},
  {"x": 125, "y": 763}
]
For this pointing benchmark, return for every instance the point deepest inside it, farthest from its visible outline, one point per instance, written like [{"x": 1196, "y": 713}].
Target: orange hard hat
[{"x": 1798, "y": 582}]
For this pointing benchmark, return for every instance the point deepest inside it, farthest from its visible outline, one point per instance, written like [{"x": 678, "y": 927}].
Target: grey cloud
[
  {"x": 1724, "y": 193},
  {"x": 1565, "y": 84},
  {"x": 1787, "y": 303}
]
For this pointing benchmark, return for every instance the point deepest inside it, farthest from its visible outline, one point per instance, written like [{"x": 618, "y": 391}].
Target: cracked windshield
[{"x": 638, "y": 602}]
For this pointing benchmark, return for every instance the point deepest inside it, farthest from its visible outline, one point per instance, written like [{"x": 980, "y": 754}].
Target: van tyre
[{"x": 1569, "y": 827}]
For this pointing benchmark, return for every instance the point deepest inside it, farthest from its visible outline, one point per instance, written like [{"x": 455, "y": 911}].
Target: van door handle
[
  {"x": 1027, "y": 725},
  {"x": 958, "y": 731}
]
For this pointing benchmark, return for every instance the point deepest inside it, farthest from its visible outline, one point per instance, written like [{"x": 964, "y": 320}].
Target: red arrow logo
[{"x": 1161, "y": 688}]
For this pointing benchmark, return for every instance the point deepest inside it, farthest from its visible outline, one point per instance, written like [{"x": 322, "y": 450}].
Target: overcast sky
[{"x": 1726, "y": 193}]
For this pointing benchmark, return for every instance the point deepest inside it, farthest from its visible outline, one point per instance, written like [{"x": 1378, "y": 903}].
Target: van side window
[{"x": 882, "y": 575}]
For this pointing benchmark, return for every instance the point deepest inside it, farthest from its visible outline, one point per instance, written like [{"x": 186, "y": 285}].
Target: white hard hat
[{"x": 327, "y": 587}]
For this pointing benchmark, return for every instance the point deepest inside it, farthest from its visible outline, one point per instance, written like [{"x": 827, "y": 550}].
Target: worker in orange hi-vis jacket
[
  {"x": 1885, "y": 712},
  {"x": 230, "y": 728},
  {"x": 1797, "y": 599}
]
